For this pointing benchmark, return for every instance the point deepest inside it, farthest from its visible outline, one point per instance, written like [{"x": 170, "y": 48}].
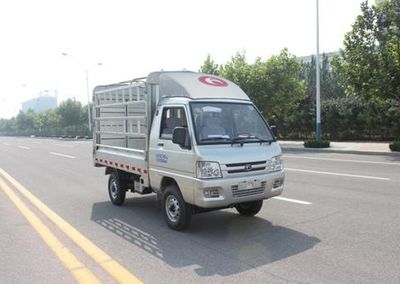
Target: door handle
[{"x": 160, "y": 144}]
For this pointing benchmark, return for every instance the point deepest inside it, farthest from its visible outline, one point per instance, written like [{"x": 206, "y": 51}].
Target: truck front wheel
[
  {"x": 176, "y": 211},
  {"x": 249, "y": 208},
  {"x": 115, "y": 190}
]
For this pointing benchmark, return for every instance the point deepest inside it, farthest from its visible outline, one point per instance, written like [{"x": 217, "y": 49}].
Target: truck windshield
[{"x": 227, "y": 123}]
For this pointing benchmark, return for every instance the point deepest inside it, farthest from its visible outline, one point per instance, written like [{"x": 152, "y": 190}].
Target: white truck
[{"x": 196, "y": 140}]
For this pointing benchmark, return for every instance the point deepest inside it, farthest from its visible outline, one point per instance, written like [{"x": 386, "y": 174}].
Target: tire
[
  {"x": 249, "y": 208},
  {"x": 176, "y": 211},
  {"x": 115, "y": 190}
]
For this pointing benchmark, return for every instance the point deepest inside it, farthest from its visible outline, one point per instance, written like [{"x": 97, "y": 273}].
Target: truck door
[{"x": 169, "y": 159}]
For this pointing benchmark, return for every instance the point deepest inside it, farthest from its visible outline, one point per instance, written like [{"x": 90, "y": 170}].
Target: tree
[
  {"x": 49, "y": 122},
  {"x": 371, "y": 55},
  {"x": 26, "y": 122},
  {"x": 238, "y": 71},
  {"x": 331, "y": 77},
  {"x": 8, "y": 126},
  {"x": 273, "y": 85},
  {"x": 70, "y": 112},
  {"x": 283, "y": 88},
  {"x": 209, "y": 67}
]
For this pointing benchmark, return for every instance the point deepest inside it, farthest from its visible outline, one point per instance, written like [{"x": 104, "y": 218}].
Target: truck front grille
[
  {"x": 245, "y": 167},
  {"x": 236, "y": 193}
]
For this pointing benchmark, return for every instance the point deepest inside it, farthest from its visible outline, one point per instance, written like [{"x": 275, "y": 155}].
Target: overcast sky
[{"x": 132, "y": 38}]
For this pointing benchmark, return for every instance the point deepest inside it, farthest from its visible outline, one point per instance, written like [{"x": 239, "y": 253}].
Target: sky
[{"x": 130, "y": 39}]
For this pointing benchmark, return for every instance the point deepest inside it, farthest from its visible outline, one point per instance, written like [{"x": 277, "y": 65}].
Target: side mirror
[
  {"x": 274, "y": 130},
  {"x": 180, "y": 136}
]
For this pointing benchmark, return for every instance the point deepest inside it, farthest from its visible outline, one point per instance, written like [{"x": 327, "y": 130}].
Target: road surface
[{"x": 338, "y": 221}]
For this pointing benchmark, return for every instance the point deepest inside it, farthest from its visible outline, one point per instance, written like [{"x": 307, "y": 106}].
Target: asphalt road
[{"x": 338, "y": 222}]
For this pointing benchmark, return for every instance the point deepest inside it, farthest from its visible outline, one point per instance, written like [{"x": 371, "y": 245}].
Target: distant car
[{"x": 33, "y": 136}]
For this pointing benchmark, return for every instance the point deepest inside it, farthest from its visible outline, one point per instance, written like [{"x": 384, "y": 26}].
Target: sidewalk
[{"x": 372, "y": 148}]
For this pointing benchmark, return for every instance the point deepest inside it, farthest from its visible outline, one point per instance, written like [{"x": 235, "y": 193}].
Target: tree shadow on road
[{"x": 216, "y": 243}]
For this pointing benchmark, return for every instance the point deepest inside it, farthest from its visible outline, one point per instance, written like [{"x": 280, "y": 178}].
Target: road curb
[{"x": 327, "y": 150}]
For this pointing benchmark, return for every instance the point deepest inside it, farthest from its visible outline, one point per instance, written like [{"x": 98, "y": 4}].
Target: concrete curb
[{"x": 329, "y": 150}]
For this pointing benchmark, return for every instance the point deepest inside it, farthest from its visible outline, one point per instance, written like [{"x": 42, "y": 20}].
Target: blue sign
[{"x": 162, "y": 158}]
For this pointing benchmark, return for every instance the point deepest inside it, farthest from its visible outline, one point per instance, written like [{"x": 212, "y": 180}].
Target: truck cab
[{"x": 208, "y": 147}]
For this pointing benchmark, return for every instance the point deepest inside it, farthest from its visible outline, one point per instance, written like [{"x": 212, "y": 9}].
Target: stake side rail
[{"x": 122, "y": 125}]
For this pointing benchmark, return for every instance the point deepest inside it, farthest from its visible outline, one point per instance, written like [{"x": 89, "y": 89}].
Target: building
[
  {"x": 42, "y": 102},
  {"x": 307, "y": 59}
]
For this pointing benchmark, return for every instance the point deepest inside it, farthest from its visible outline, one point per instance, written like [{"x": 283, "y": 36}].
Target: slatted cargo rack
[{"x": 121, "y": 120}]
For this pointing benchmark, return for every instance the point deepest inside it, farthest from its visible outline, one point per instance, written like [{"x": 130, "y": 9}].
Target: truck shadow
[{"x": 216, "y": 243}]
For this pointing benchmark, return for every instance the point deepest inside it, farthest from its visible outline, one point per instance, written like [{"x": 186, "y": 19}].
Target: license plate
[{"x": 244, "y": 185}]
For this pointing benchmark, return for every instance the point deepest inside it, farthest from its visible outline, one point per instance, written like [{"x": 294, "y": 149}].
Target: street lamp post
[
  {"x": 318, "y": 101},
  {"x": 87, "y": 88},
  {"x": 88, "y": 99}
]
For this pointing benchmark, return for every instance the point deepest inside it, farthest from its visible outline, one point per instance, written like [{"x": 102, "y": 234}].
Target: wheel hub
[
  {"x": 114, "y": 189},
  {"x": 172, "y": 208}
]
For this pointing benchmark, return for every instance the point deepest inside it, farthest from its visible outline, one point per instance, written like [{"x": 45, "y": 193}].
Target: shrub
[
  {"x": 395, "y": 146},
  {"x": 316, "y": 144}
]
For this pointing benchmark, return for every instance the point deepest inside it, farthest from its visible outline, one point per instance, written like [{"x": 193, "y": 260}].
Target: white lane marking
[
  {"x": 34, "y": 142},
  {"x": 63, "y": 145},
  {"x": 62, "y": 155},
  {"x": 292, "y": 200},
  {"x": 342, "y": 160},
  {"x": 5, "y": 143},
  {"x": 335, "y": 174},
  {"x": 24, "y": 147}
]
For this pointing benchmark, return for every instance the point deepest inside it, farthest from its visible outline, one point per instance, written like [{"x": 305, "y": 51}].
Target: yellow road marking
[
  {"x": 81, "y": 273},
  {"x": 116, "y": 270}
]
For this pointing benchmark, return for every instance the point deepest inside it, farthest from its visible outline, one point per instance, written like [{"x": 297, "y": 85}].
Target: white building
[{"x": 42, "y": 102}]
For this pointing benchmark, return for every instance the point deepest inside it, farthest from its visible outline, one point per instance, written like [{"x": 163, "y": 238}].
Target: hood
[{"x": 230, "y": 154}]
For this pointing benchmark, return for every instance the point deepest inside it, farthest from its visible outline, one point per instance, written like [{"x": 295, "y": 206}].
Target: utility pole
[
  {"x": 318, "y": 100},
  {"x": 87, "y": 86},
  {"x": 88, "y": 99}
]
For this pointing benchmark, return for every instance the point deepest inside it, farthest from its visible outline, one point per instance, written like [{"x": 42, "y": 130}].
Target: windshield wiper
[
  {"x": 252, "y": 137},
  {"x": 215, "y": 138}
]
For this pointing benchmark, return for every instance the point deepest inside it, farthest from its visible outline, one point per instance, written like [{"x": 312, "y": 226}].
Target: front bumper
[{"x": 230, "y": 192}]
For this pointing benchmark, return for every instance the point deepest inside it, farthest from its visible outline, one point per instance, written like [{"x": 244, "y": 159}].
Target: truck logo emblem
[
  {"x": 248, "y": 167},
  {"x": 213, "y": 81}
]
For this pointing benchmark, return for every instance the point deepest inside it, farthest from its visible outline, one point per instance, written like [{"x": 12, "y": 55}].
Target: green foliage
[
  {"x": 284, "y": 90},
  {"x": 273, "y": 85},
  {"x": 209, "y": 67},
  {"x": 371, "y": 55},
  {"x": 316, "y": 144},
  {"x": 395, "y": 146},
  {"x": 349, "y": 118},
  {"x": 8, "y": 125},
  {"x": 330, "y": 76},
  {"x": 26, "y": 121},
  {"x": 69, "y": 119},
  {"x": 70, "y": 112}
]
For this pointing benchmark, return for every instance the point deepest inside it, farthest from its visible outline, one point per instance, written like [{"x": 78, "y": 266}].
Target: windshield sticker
[
  {"x": 211, "y": 109},
  {"x": 218, "y": 136},
  {"x": 213, "y": 81}
]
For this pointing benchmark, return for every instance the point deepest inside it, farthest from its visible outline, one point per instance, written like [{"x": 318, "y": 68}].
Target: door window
[{"x": 172, "y": 117}]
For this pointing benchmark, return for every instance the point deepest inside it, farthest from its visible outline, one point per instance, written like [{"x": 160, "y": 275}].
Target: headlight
[
  {"x": 276, "y": 164},
  {"x": 208, "y": 170}
]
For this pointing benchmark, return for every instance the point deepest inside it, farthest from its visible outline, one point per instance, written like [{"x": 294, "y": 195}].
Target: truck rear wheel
[
  {"x": 249, "y": 208},
  {"x": 115, "y": 190},
  {"x": 176, "y": 211}
]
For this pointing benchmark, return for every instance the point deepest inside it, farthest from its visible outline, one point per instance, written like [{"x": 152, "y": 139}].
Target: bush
[
  {"x": 395, "y": 146},
  {"x": 316, "y": 144}
]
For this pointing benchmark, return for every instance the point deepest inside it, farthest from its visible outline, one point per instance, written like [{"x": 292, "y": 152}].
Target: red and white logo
[{"x": 213, "y": 81}]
